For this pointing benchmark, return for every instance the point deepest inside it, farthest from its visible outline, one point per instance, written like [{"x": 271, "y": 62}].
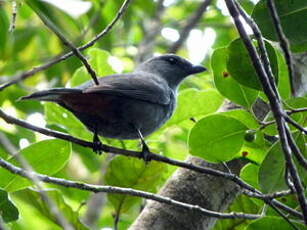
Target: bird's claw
[
  {"x": 145, "y": 154},
  {"x": 97, "y": 147}
]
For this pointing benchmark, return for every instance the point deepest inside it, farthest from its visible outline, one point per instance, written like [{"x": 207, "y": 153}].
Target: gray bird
[{"x": 126, "y": 106}]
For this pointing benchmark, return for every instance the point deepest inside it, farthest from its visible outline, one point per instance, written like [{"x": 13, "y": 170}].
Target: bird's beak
[{"x": 197, "y": 69}]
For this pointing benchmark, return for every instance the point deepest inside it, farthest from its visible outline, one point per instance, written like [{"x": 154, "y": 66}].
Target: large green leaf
[
  {"x": 217, "y": 138},
  {"x": 34, "y": 199},
  {"x": 192, "y": 103},
  {"x": 292, "y": 14},
  {"x": 271, "y": 173},
  {"x": 225, "y": 83},
  {"x": 249, "y": 173},
  {"x": 240, "y": 65},
  {"x": 8, "y": 210},
  {"x": 132, "y": 173},
  {"x": 243, "y": 116},
  {"x": 46, "y": 157}
]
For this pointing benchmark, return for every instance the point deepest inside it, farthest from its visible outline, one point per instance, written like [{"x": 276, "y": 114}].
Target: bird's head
[{"x": 170, "y": 67}]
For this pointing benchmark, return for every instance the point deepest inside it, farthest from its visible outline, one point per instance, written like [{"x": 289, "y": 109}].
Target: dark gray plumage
[{"x": 126, "y": 106}]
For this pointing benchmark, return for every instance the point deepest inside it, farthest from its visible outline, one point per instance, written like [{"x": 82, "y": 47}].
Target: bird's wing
[{"x": 133, "y": 86}]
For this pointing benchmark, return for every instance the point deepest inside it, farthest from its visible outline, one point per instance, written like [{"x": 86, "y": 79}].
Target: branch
[
  {"x": 204, "y": 170},
  {"x": 290, "y": 112},
  {"x": 190, "y": 24},
  {"x": 296, "y": 151},
  {"x": 284, "y": 43},
  {"x": 294, "y": 124},
  {"x": 13, "y": 17},
  {"x": 58, "y": 59},
  {"x": 67, "y": 43},
  {"x": 262, "y": 50},
  {"x": 274, "y": 103},
  {"x": 151, "y": 30},
  {"x": 126, "y": 191}
]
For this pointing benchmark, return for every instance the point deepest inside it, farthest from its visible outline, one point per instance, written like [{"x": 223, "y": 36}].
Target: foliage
[{"x": 197, "y": 127}]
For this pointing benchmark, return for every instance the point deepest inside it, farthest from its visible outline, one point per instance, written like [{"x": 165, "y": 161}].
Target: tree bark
[{"x": 214, "y": 193}]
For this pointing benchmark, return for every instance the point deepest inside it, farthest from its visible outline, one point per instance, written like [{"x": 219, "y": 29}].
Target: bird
[{"x": 129, "y": 105}]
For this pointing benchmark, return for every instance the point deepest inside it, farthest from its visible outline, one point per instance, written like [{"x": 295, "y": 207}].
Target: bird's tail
[{"x": 50, "y": 94}]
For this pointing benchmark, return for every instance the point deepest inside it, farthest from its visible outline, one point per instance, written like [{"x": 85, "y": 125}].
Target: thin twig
[
  {"x": 289, "y": 112},
  {"x": 299, "y": 110},
  {"x": 284, "y": 43},
  {"x": 294, "y": 124},
  {"x": 58, "y": 59},
  {"x": 296, "y": 151},
  {"x": 13, "y": 17},
  {"x": 204, "y": 170},
  {"x": 150, "y": 30},
  {"x": 67, "y": 43},
  {"x": 126, "y": 191},
  {"x": 276, "y": 107},
  {"x": 190, "y": 24},
  {"x": 269, "y": 195}
]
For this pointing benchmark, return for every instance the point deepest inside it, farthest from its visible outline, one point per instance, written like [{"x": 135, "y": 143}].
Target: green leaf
[
  {"x": 8, "y": 210},
  {"x": 241, "y": 68},
  {"x": 225, "y": 83},
  {"x": 272, "y": 170},
  {"x": 249, "y": 173},
  {"x": 192, "y": 103},
  {"x": 254, "y": 150},
  {"x": 272, "y": 223},
  {"x": 46, "y": 157},
  {"x": 34, "y": 199},
  {"x": 292, "y": 14},
  {"x": 57, "y": 115},
  {"x": 98, "y": 61},
  {"x": 132, "y": 173},
  {"x": 247, "y": 5},
  {"x": 4, "y": 25},
  {"x": 243, "y": 116},
  {"x": 21, "y": 38},
  {"x": 283, "y": 77},
  {"x": 216, "y": 138}
]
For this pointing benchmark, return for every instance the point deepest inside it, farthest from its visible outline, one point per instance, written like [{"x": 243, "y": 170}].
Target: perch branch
[{"x": 126, "y": 191}]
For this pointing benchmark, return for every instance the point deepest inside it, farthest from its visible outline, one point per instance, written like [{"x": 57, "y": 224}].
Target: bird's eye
[{"x": 172, "y": 60}]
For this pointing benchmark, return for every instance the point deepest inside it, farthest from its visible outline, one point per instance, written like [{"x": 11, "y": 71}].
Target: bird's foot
[
  {"x": 145, "y": 154},
  {"x": 97, "y": 145}
]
